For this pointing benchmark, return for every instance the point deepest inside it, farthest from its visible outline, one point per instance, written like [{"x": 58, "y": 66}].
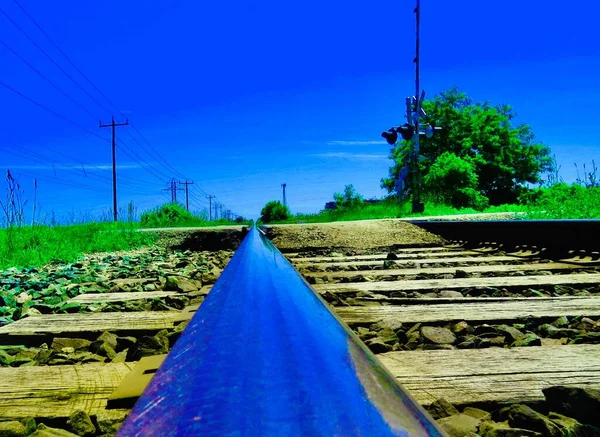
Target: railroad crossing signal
[{"x": 411, "y": 130}]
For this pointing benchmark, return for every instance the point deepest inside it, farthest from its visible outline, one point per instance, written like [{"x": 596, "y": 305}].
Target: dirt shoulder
[{"x": 356, "y": 235}]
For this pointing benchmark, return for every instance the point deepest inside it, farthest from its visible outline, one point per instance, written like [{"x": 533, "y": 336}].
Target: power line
[
  {"x": 59, "y": 181},
  {"x": 157, "y": 155},
  {"x": 52, "y": 60},
  {"x": 141, "y": 182},
  {"x": 46, "y": 79},
  {"x": 50, "y": 110},
  {"x": 45, "y": 162},
  {"x": 129, "y": 152}
]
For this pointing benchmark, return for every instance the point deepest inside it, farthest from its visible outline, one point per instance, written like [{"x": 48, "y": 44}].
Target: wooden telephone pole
[
  {"x": 113, "y": 125},
  {"x": 210, "y": 198},
  {"x": 187, "y": 202}
]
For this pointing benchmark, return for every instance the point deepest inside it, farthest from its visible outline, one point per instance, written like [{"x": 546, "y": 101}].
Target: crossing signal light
[
  {"x": 391, "y": 136},
  {"x": 406, "y": 130}
]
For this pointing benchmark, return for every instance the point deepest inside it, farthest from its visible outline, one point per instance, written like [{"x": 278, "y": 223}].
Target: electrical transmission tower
[
  {"x": 113, "y": 125},
  {"x": 284, "y": 199},
  {"x": 173, "y": 189},
  {"x": 187, "y": 201}
]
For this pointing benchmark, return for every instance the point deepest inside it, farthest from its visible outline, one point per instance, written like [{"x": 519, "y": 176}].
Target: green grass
[
  {"x": 392, "y": 210},
  {"x": 560, "y": 201},
  {"x": 39, "y": 245},
  {"x": 563, "y": 201}
]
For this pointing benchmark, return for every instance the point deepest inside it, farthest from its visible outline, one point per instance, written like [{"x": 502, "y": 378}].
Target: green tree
[
  {"x": 452, "y": 180},
  {"x": 348, "y": 199},
  {"x": 274, "y": 211},
  {"x": 502, "y": 156}
]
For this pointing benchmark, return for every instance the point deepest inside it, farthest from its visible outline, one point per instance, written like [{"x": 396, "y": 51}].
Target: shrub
[
  {"x": 274, "y": 211},
  {"x": 170, "y": 214}
]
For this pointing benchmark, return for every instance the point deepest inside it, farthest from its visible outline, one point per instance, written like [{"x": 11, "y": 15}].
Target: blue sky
[{"x": 240, "y": 97}]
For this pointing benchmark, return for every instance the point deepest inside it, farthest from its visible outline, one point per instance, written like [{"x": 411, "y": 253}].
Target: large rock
[
  {"x": 81, "y": 424},
  {"x": 437, "y": 335},
  {"x": 46, "y": 431},
  {"x": 148, "y": 346},
  {"x": 459, "y": 425},
  {"x": 510, "y": 333},
  {"x": 365, "y": 334},
  {"x": 12, "y": 429},
  {"x": 490, "y": 428},
  {"x": 392, "y": 324},
  {"x": 23, "y": 297},
  {"x": 588, "y": 337},
  {"x": 105, "y": 345},
  {"x": 76, "y": 343},
  {"x": 477, "y": 413},
  {"x": 562, "y": 321},
  {"x": 442, "y": 408},
  {"x": 461, "y": 328},
  {"x": 5, "y": 358},
  {"x": 387, "y": 336},
  {"x": 450, "y": 293},
  {"x": 572, "y": 428},
  {"x": 554, "y": 332},
  {"x": 182, "y": 284},
  {"x": 521, "y": 416},
  {"x": 210, "y": 277},
  {"x": 529, "y": 339},
  {"x": 377, "y": 345},
  {"x": 108, "y": 338},
  {"x": 579, "y": 403}
]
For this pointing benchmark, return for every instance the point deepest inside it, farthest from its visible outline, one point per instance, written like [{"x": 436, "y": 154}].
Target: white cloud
[
  {"x": 346, "y": 155},
  {"x": 355, "y": 143}
]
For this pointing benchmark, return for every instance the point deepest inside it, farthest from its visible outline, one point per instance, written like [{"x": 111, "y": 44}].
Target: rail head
[{"x": 265, "y": 356}]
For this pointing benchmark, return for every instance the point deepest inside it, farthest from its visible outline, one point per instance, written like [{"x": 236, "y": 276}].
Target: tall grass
[
  {"x": 562, "y": 201},
  {"x": 32, "y": 246}
]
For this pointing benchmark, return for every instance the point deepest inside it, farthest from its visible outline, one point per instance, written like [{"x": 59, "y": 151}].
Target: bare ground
[{"x": 355, "y": 235}]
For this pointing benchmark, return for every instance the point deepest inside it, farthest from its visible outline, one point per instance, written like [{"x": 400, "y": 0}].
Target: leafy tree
[
  {"x": 348, "y": 199},
  {"x": 503, "y": 157},
  {"x": 274, "y": 211},
  {"x": 452, "y": 180}
]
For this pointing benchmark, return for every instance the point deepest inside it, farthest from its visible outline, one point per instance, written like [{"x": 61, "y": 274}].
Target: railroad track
[{"x": 480, "y": 322}]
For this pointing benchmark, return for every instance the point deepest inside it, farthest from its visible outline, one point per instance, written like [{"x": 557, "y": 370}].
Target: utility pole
[
  {"x": 113, "y": 125},
  {"x": 220, "y": 210},
  {"x": 284, "y": 199},
  {"x": 417, "y": 205},
  {"x": 210, "y": 198},
  {"x": 187, "y": 202},
  {"x": 411, "y": 130}
]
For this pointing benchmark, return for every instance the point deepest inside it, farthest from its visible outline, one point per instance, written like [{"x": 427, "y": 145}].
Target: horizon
[{"x": 241, "y": 98}]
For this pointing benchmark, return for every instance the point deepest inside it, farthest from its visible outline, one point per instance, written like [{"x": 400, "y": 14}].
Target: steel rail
[
  {"x": 554, "y": 235},
  {"x": 264, "y": 356}
]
